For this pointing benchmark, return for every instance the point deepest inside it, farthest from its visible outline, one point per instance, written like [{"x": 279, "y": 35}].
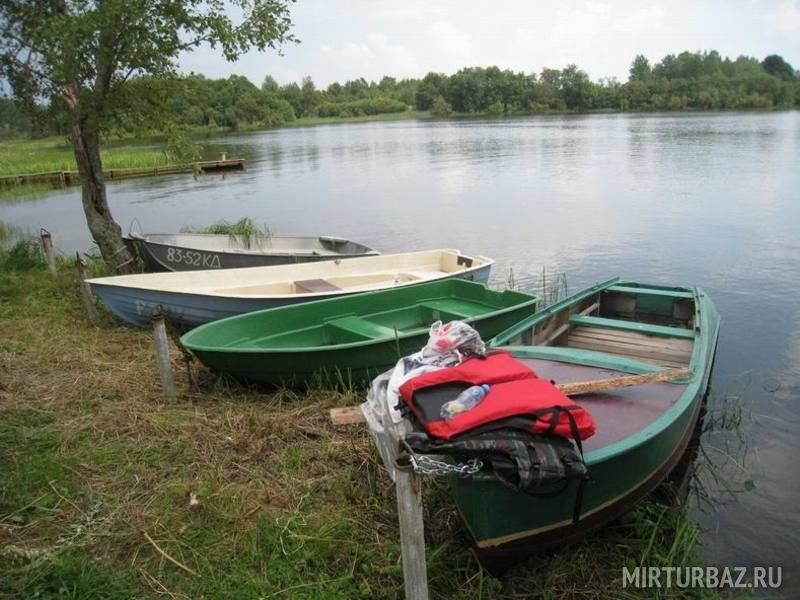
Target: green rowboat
[
  {"x": 348, "y": 340},
  {"x": 606, "y": 331}
]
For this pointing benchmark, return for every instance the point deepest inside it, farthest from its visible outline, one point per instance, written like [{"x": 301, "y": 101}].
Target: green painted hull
[
  {"x": 347, "y": 341},
  {"x": 507, "y": 524}
]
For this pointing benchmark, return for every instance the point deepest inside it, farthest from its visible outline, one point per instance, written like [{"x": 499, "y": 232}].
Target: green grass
[
  {"x": 243, "y": 227},
  {"x": 55, "y": 154},
  {"x": 94, "y": 460}
]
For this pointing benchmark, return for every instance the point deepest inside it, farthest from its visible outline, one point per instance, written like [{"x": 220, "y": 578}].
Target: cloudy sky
[{"x": 344, "y": 39}]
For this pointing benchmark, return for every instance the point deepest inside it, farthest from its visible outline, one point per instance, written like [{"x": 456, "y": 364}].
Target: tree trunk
[{"x": 86, "y": 147}]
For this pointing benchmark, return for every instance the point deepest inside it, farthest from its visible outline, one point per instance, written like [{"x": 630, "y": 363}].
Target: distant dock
[{"x": 74, "y": 177}]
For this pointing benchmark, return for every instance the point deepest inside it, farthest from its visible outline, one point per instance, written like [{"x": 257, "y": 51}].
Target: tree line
[{"x": 690, "y": 80}]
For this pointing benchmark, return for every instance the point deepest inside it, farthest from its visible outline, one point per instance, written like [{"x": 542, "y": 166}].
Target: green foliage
[
  {"x": 18, "y": 251},
  {"x": 686, "y": 81},
  {"x": 180, "y": 147},
  {"x": 441, "y": 107},
  {"x": 640, "y": 69},
  {"x": 777, "y": 67},
  {"x": 495, "y": 109},
  {"x": 244, "y": 231},
  {"x": 244, "y": 226},
  {"x": 96, "y": 46},
  {"x": 13, "y": 121}
]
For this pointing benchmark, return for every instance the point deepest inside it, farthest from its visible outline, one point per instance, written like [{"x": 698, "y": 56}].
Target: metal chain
[{"x": 425, "y": 464}]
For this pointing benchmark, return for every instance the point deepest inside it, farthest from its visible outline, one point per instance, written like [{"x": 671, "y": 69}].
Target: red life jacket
[{"x": 515, "y": 391}]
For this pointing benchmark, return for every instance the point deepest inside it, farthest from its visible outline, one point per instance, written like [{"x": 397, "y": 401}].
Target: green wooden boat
[
  {"x": 609, "y": 330},
  {"x": 348, "y": 340}
]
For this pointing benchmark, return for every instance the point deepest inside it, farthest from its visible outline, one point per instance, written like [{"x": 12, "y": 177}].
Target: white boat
[
  {"x": 191, "y": 298},
  {"x": 201, "y": 251}
]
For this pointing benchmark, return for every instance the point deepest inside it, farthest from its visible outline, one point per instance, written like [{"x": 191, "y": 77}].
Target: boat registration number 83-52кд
[{"x": 193, "y": 258}]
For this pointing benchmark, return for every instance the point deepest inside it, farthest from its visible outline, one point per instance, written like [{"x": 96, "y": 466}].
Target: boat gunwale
[
  {"x": 368, "y": 251},
  {"x": 532, "y": 300},
  {"x": 703, "y": 350}
]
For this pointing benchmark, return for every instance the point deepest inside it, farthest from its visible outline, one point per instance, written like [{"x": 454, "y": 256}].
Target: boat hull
[
  {"x": 379, "y": 328},
  {"x": 160, "y": 256},
  {"x": 507, "y": 525},
  {"x": 135, "y": 306}
]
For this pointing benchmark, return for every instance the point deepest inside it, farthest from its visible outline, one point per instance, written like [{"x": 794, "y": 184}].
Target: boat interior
[
  {"x": 623, "y": 329},
  {"x": 318, "y": 278},
  {"x": 440, "y": 266},
  {"x": 398, "y": 321},
  {"x": 363, "y": 281}
]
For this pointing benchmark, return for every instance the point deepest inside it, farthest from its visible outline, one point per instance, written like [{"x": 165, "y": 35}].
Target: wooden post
[
  {"x": 223, "y": 156},
  {"x": 162, "y": 352},
  {"x": 47, "y": 246},
  {"x": 412, "y": 529},
  {"x": 86, "y": 292}
]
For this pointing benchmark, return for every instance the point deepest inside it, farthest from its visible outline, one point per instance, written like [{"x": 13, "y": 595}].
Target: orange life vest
[{"x": 515, "y": 391}]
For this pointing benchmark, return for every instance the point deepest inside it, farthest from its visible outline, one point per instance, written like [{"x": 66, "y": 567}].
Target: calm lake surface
[{"x": 711, "y": 199}]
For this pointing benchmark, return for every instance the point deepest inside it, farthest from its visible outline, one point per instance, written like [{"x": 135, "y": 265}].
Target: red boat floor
[{"x": 618, "y": 413}]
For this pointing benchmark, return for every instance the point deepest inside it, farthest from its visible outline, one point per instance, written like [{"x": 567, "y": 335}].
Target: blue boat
[{"x": 191, "y": 298}]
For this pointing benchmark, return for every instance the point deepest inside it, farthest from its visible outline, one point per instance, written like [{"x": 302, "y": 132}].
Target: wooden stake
[
  {"x": 349, "y": 415},
  {"x": 412, "y": 529},
  {"x": 47, "y": 246},
  {"x": 161, "y": 344},
  {"x": 86, "y": 292}
]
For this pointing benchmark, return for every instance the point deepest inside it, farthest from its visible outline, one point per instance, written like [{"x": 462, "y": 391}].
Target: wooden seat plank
[
  {"x": 652, "y": 351},
  {"x": 649, "y": 291},
  {"x": 363, "y": 327},
  {"x": 623, "y": 325},
  {"x": 633, "y": 339}
]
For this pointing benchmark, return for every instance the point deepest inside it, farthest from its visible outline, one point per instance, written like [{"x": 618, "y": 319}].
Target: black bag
[{"x": 540, "y": 465}]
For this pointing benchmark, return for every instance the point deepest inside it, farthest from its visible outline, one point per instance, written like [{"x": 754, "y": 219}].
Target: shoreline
[
  {"x": 21, "y": 157},
  {"x": 96, "y": 457}
]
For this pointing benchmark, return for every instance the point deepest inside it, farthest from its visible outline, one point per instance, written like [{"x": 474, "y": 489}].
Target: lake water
[{"x": 707, "y": 199}]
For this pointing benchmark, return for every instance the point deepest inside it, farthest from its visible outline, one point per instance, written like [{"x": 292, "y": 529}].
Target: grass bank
[
  {"x": 26, "y": 156},
  {"x": 55, "y": 154},
  {"x": 252, "y": 494}
]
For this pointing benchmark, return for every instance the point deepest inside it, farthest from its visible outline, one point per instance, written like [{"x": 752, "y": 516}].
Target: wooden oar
[{"x": 349, "y": 415}]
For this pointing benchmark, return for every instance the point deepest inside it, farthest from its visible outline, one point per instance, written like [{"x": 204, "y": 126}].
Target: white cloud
[
  {"x": 450, "y": 41},
  {"x": 371, "y": 58},
  {"x": 580, "y": 25},
  {"x": 647, "y": 19},
  {"x": 785, "y": 18}
]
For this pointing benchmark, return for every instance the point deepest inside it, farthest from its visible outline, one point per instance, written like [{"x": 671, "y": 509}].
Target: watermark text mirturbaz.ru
[{"x": 703, "y": 577}]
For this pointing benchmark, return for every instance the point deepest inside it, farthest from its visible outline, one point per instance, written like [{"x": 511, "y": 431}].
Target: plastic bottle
[{"x": 466, "y": 400}]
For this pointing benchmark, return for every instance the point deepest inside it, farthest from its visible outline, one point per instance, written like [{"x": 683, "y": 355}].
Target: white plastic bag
[{"x": 455, "y": 336}]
